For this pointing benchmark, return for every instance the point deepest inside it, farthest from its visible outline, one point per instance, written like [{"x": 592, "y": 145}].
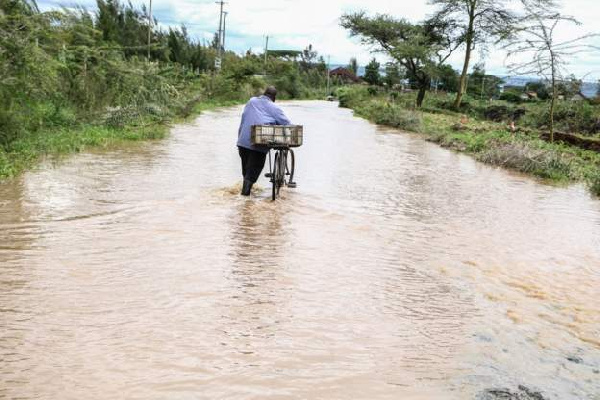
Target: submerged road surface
[{"x": 395, "y": 270}]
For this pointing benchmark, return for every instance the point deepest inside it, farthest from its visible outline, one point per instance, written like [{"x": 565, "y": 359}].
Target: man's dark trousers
[{"x": 253, "y": 163}]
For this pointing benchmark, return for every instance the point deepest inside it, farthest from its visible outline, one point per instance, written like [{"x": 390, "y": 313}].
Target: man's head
[{"x": 271, "y": 92}]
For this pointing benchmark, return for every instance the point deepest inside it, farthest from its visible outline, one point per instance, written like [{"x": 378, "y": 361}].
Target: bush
[
  {"x": 522, "y": 157},
  {"x": 512, "y": 96},
  {"x": 373, "y": 91},
  {"x": 499, "y": 113},
  {"x": 595, "y": 183},
  {"x": 350, "y": 96},
  {"x": 11, "y": 127},
  {"x": 391, "y": 115},
  {"x": 573, "y": 117}
]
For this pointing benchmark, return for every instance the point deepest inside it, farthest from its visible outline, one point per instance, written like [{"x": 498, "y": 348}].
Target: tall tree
[
  {"x": 372, "y": 72},
  {"x": 353, "y": 66},
  {"x": 475, "y": 21},
  {"x": 308, "y": 58},
  {"x": 536, "y": 37},
  {"x": 418, "y": 48}
]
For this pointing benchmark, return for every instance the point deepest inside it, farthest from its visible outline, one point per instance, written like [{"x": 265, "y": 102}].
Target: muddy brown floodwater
[{"x": 395, "y": 270}]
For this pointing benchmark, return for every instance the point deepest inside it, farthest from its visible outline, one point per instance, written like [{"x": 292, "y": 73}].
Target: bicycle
[
  {"x": 284, "y": 165},
  {"x": 280, "y": 138}
]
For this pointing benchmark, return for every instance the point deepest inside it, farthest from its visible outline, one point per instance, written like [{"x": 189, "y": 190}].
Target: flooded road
[{"x": 395, "y": 270}]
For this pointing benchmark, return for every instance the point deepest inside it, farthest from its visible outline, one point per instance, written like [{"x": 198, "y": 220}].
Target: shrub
[
  {"x": 373, "y": 90},
  {"x": 578, "y": 117},
  {"x": 499, "y": 113},
  {"x": 512, "y": 96},
  {"x": 524, "y": 158},
  {"x": 595, "y": 183},
  {"x": 391, "y": 115}
]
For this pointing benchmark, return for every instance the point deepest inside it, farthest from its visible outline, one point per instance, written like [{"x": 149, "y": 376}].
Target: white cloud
[{"x": 293, "y": 24}]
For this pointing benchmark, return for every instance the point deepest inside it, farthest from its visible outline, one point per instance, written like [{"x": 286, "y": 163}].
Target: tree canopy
[
  {"x": 472, "y": 23},
  {"x": 419, "y": 48}
]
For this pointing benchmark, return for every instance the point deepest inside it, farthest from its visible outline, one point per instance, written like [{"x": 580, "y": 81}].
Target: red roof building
[{"x": 344, "y": 75}]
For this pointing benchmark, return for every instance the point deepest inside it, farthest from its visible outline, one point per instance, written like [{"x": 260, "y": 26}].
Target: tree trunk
[
  {"x": 553, "y": 101},
  {"x": 421, "y": 96},
  {"x": 463, "y": 77}
]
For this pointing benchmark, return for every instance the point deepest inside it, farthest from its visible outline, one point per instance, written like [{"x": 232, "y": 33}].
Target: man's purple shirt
[{"x": 259, "y": 111}]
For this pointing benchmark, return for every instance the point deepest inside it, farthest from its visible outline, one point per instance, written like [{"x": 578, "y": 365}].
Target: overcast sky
[{"x": 293, "y": 24}]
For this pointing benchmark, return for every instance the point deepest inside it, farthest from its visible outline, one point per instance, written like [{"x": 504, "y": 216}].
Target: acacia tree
[
  {"x": 475, "y": 22},
  {"x": 419, "y": 48},
  {"x": 536, "y": 37}
]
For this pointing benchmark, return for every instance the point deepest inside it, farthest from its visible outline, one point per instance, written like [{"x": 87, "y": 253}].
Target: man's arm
[{"x": 280, "y": 117}]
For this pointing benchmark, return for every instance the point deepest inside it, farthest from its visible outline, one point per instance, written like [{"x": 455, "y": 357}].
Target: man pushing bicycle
[{"x": 259, "y": 110}]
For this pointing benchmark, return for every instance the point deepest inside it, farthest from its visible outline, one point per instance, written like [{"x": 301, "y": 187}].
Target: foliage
[
  {"x": 447, "y": 78},
  {"x": 353, "y": 66},
  {"x": 500, "y": 112},
  {"x": 595, "y": 183},
  {"x": 512, "y": 95},
  {"x": 481, "y": 85},
  {"x": 473, "y": 23},
  {"x": 308, "y": 58},
  {"x": 392, "y": 76},
  {"x": 522, "y": 157},
  {"x": 80, "y": 72},
  {"x": 418, "y": 48},
  {"x": 540, "y": 88},
  {"x": 569, "y": 116},
  {"x": 536, "y": 37},
  {"x": 372, "y": 76}
]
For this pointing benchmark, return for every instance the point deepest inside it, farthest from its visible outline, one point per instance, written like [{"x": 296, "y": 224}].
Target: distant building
[{"x": 344, "y": 75}]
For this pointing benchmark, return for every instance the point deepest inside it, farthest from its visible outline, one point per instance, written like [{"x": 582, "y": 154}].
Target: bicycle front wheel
[
  {"x": 274, "y": 177},
  {"x": 290, "y": 166}
]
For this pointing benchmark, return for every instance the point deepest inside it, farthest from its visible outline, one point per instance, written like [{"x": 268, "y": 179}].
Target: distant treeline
[{"x": 72, "y": 66}]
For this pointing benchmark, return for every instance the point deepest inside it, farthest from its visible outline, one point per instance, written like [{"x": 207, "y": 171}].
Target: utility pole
[
  {"x": 224, "y": 19},
  {"x": 266, "y": 50},
  {"x": 149, "y": 27},
  {"x": 328, "y": 60},
  {"x": 220, "y": 36},
  {"x": 482, "y": 88}
]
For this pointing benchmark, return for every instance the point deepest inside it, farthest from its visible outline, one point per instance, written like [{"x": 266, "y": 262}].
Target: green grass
[{"x": 25, "y": 152}]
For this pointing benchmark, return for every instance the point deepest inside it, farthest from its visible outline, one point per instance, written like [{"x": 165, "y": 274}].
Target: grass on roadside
[{"x": 26, "y": 151}]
